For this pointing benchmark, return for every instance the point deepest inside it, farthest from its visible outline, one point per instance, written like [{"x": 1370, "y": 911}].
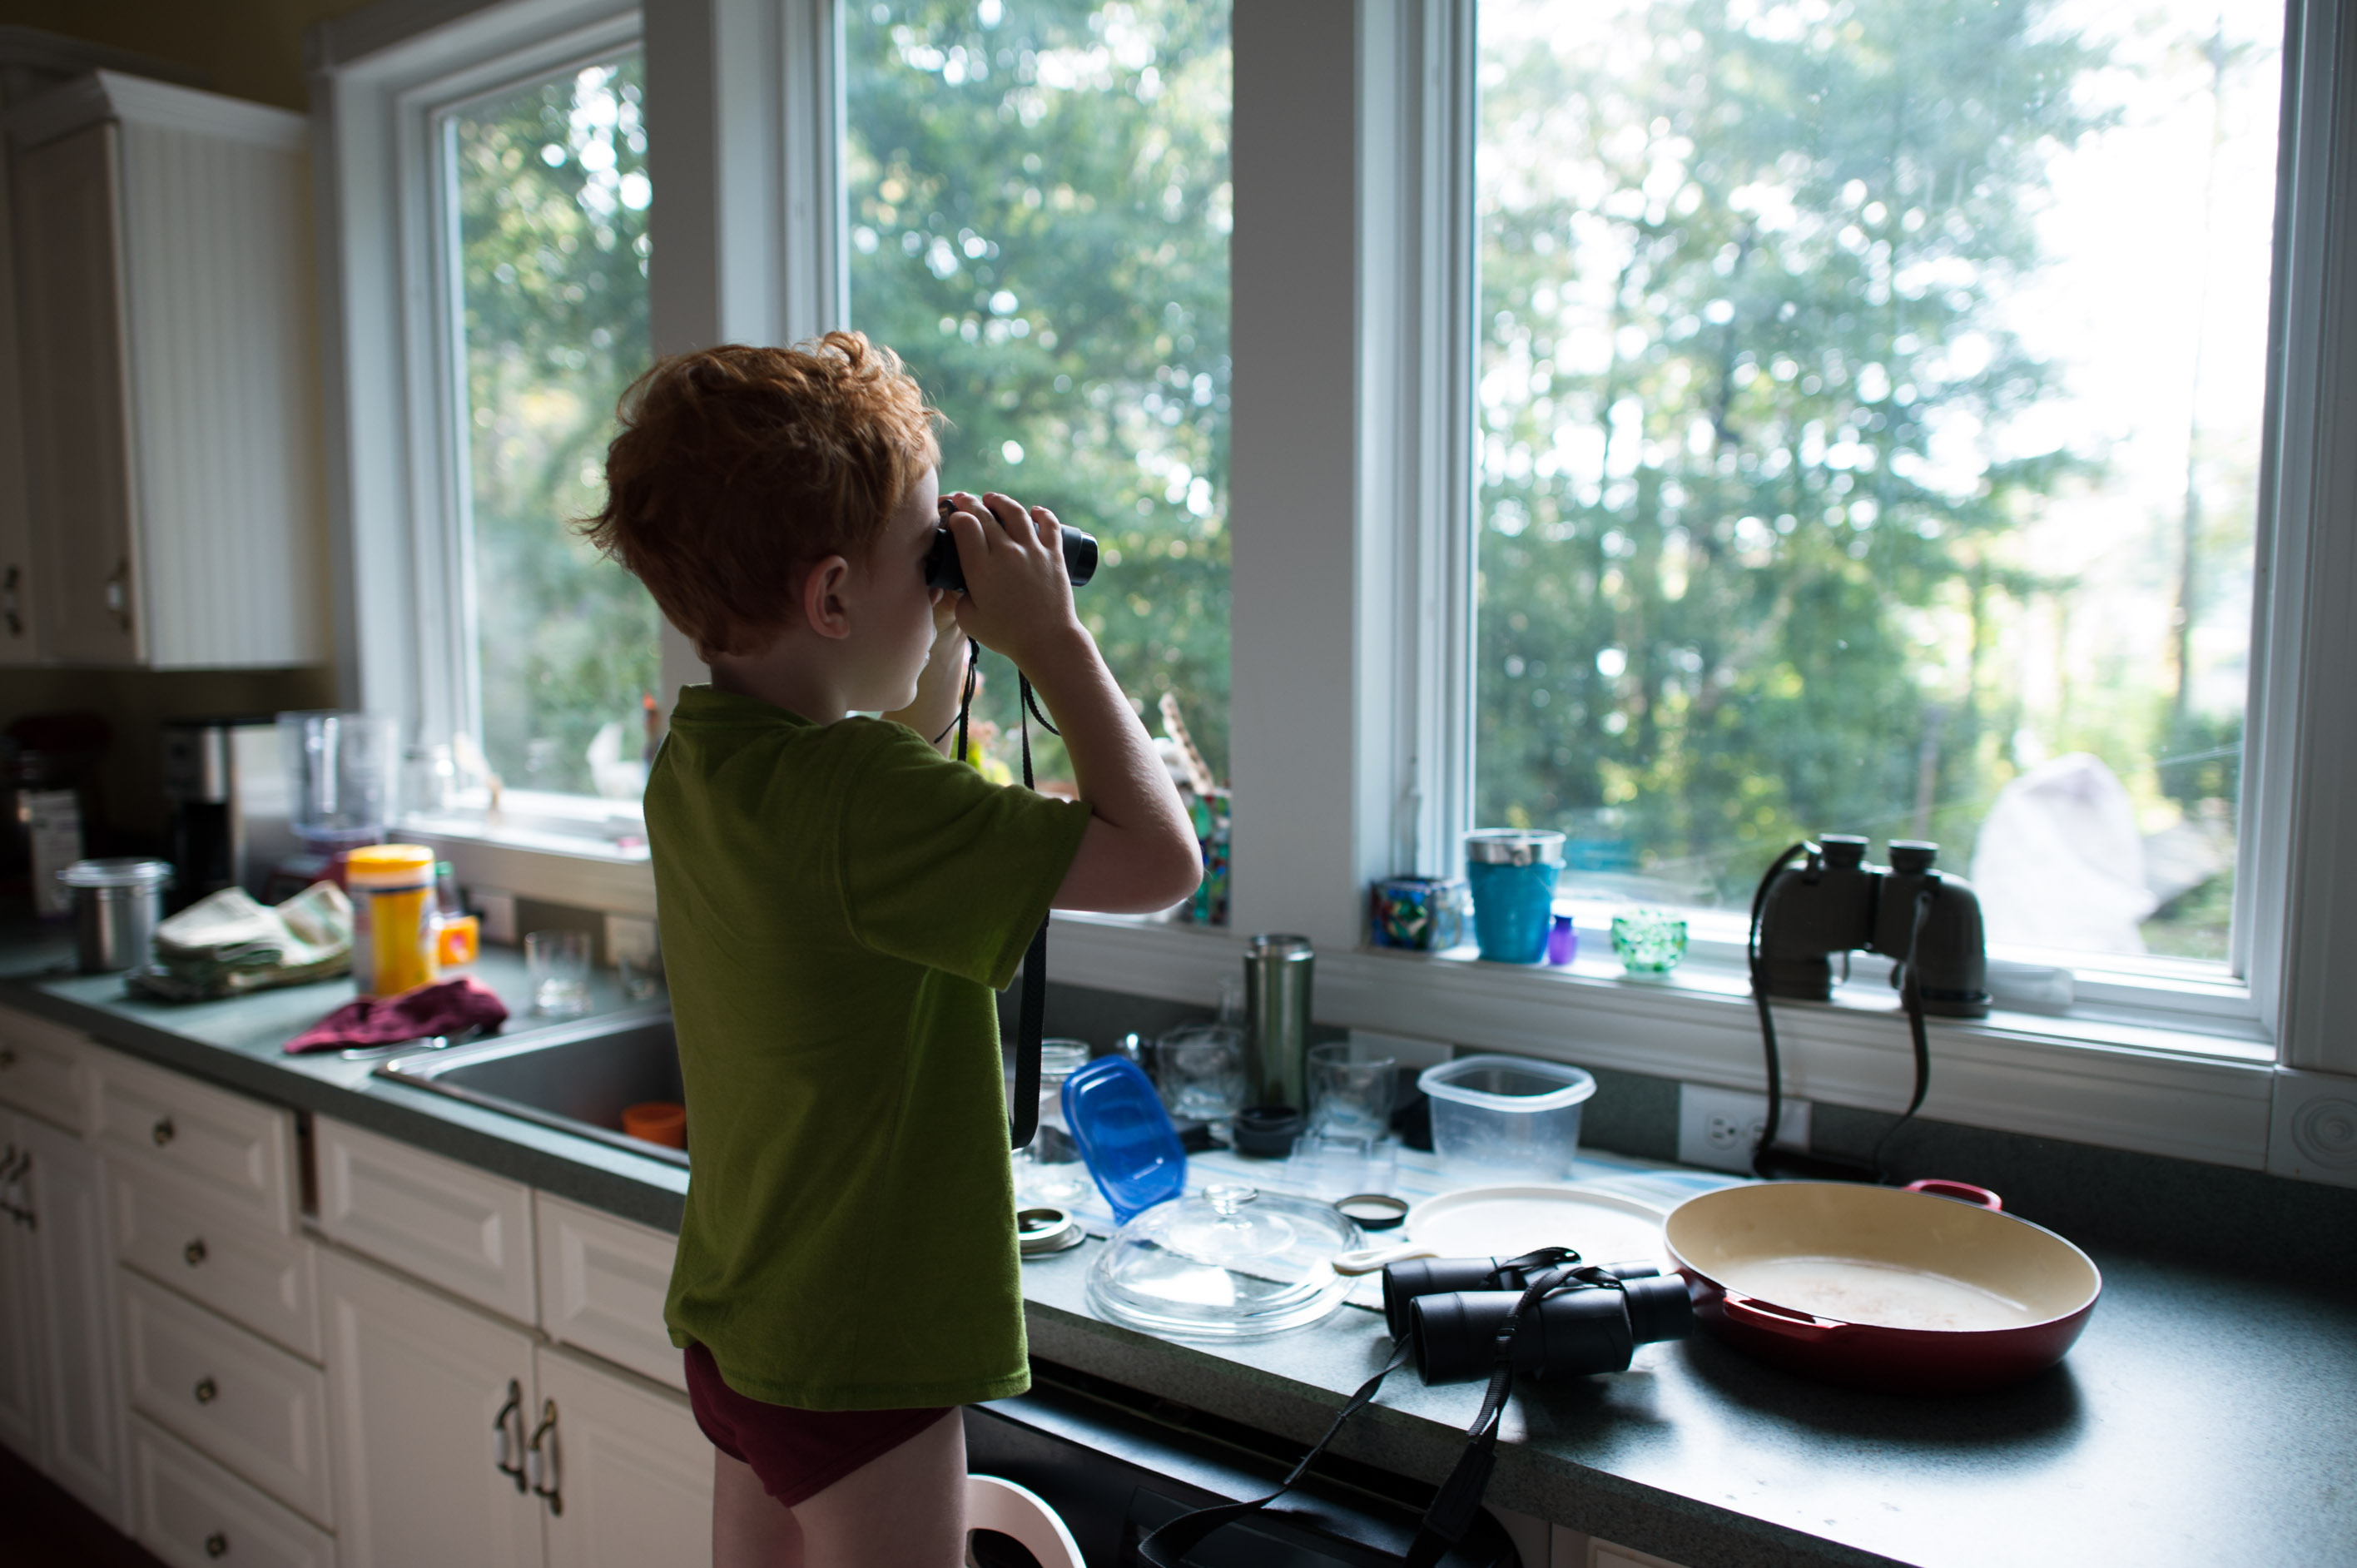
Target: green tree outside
[
  {"x": 1739, "y": 285},
  {"x": 1040, "y": 207},
  {"x": 552, "y": 196}
]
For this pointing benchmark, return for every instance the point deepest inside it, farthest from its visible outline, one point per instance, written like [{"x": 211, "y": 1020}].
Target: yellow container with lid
[{"x": 393, "y": 918}]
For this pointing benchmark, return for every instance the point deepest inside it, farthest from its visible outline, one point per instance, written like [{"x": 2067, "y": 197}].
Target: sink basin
[{"x": 574, "y": 1077}]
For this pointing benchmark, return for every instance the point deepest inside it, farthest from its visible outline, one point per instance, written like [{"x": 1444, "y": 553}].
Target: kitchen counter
[{"x": 2202, "y": 1418}]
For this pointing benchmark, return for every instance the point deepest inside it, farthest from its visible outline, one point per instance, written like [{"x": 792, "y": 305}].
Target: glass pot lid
[{"x": 1224, "y": 1263}]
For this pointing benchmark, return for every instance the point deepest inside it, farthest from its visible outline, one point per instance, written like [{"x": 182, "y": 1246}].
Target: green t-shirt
[{"x": 838, "y": 904}]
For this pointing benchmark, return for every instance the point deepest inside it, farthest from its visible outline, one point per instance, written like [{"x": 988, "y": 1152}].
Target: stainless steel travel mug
[{"x": 1277, "y": 972}]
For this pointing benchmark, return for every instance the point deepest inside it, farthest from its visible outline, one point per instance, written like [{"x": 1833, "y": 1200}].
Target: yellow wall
[{"x": 247, "y": 48}]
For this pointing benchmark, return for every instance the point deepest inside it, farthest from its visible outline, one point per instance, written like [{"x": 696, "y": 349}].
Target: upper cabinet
[{"x": 167, "y": 369}]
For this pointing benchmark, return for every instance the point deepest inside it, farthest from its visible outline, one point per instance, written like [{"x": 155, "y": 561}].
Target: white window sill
[{"x": 2193, "y": 1081}]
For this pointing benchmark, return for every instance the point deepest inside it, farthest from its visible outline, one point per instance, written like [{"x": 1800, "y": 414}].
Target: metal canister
[
  {"x": 1277, "y": 975},
  {"x": 117, "y": 903}
]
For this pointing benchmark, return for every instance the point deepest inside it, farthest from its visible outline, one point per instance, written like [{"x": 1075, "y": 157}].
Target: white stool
[{"x": 1017, "y": 1513}]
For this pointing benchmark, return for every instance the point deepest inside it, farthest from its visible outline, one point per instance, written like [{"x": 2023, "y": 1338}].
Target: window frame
[{"x": 1351, "y": 623}]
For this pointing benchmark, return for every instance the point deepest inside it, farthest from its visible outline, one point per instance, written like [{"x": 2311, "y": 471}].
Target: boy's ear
[{"x": 825, "y": 607}]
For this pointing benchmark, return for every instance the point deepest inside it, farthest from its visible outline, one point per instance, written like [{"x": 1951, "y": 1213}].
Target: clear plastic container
[{"x": 1508, "y": 1117}]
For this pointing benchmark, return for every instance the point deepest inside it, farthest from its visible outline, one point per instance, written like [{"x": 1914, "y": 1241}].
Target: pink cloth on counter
[{"x": 448, "y": 1007}]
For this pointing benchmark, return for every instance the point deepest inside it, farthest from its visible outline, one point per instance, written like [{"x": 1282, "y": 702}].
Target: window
[
  {"x": 1039, "y": 207},
  {"x": 547, "y": 196},
  {"x": 1869, "y": 401}
]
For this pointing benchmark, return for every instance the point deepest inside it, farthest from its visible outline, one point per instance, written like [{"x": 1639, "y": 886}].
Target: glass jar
[{"x": 1050, "y": 1171}]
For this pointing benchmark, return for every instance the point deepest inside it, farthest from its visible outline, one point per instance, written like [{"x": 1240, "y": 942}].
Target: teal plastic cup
[{"x": 1512, "y": 874}]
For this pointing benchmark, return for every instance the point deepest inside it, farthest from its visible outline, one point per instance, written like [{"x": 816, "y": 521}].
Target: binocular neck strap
[
  {"x": 1453, "y": 1508},
  {"x": 1031, "y": 1007}
]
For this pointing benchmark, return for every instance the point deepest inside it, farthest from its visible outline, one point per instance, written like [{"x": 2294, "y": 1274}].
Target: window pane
[
  {"x": 551, "y": 193},
  {"x": 1870, "y": 399},
  {"x": 1039, "y": 206}
]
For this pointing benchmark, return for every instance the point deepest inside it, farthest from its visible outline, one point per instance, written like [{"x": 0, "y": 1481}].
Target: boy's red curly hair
[{"x": 737, "y": 469}]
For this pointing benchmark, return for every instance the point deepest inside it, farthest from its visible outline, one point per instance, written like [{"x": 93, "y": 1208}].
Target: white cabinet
[
  {"x": 68, "y": 1302},
  {"x": 427, "y": 1398},
  {"x": 221, "y": 1149},
  {"x": 448, "y": 1224},
  {"x": 442, "y": 1413},
  {"x": 168, "y": 357},
  {"x": 249, "y": 1274},
  {"x": 632, "y": 1471},
  {"x": 192, "y": 1513},
  {"x": 45, "y": 1069},
  {"x": 602, "y": 1282},
  {"x": 22, "y": 1336}
]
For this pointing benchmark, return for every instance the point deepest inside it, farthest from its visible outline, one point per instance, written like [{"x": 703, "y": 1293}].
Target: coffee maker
[{"x": 227, "y": 784}]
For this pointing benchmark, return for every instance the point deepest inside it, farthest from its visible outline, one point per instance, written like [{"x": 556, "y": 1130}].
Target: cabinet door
[
  {"x": 76, "y": 384},
  {"x": 602, "y": 1282},
  {"x": 193, "y": 1514},
  {"x": 73, "y": 1275},
  {"x": 450, "y": 1225},
  {"x": 418, "y": 1386},
  {"x": 630, "y": 1474},
  {"x": 21, "y": 1333},
  {"x": 20, "y": 638},
  {"x": 44, "y": 1069}
]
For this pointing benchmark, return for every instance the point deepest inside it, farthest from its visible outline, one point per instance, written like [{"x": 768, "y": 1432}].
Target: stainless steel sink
[{"x": 574, "y": 1077}]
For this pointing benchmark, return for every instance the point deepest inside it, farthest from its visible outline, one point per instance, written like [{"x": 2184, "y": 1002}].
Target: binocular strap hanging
[
  {"x": 1454, "y": 1505},
  {"x": 1766, "y": 1160},
  {"x": 1031, "y": 1005}
]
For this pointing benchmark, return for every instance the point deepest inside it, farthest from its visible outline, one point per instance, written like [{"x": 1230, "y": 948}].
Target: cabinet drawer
[
  {"x": 602, "y": 1282},
  {"x": 191, "y": 1513},
  {"x": 45, "y": 1069},
  {"x": 448, "y": 1224},
  {"x": 266, "y": 1281},
  {"x": 203, "y": 1141},
  {"x": 243, "y": 1403}
]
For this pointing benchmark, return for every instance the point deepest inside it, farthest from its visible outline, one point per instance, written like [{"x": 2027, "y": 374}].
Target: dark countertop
[{"x": 2203, "y": 1417}]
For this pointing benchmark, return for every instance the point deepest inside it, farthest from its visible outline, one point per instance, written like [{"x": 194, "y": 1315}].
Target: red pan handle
[
  {"x": 1789, "y": 1322},
  {"x": 1961, "y": 1191}
]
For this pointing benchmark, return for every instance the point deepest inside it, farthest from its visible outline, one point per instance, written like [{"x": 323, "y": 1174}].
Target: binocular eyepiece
[
  {"x": 945, "y": 570},
  {"x": 1453, "y": 1309}
]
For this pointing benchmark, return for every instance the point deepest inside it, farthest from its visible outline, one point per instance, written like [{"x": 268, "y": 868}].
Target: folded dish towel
[
  {"x": 449, "y": 1007},
  {"x": 227, "y": 944}
]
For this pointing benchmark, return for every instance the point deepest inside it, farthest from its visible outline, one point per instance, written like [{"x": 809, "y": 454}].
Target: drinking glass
[
  {"x": 1050, "y": 1171},
  {"x": 1650, "y": 941},
  {"x": 558, "y": 962},
  {"x": 1338, "y": 1164},
  {"x": 1350, "y": 1089},
  {"x": 1199, "y": 1071}
]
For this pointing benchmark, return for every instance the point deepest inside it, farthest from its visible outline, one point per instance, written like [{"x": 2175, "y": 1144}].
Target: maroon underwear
[{"x": 797, "y": 1454}]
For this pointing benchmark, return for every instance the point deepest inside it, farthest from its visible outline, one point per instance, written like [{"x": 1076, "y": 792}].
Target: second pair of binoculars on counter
[{"x": 1455, "y": 1309}]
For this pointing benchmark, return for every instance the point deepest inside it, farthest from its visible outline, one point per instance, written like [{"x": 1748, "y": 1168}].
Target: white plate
[{"x": 1504, "y": 1221}]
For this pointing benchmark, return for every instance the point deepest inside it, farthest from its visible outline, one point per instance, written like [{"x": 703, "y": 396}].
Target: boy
[{"x": 839, "y": 902}]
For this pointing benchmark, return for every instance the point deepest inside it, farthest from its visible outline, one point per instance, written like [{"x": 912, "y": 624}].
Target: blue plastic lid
[{"x": 1125, "y": 1135}]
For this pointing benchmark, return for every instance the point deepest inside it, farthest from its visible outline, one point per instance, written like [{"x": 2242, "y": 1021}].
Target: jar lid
[
  {"x": 117, "y": 871},
  {"x": 1228, "y": 1262},
  {"x": 1514, "y": 846},
  {"x": 389, "y": 865}
]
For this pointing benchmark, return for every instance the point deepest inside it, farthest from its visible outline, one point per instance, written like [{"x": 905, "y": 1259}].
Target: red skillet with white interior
[{"x": 1883, "y": 1288}]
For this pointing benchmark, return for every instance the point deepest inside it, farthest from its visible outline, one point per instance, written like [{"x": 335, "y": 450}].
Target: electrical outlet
[{"x": 1719, "y": 1127}]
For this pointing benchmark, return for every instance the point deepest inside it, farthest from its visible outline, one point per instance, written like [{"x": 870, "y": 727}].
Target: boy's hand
[{"x": 1017, "y": 599}]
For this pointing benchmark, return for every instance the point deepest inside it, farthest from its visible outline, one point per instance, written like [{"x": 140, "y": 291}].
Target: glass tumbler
[
  {"x": 1650, "y": 941},
  {"x": 558, "y": 963},
  {"x": 1351, "y": 1090},
  {"x": 1199, "y": 1071}
]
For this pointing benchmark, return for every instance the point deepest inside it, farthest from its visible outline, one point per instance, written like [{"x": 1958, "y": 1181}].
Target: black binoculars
[
  {"x": 1834, "y": 901},
  {"x": 945, "y": 570},
  {"x": 1452, "y": 1311}
]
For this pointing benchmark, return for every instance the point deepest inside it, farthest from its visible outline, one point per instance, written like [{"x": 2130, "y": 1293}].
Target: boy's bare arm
[{"x": 1139, "y": 852}]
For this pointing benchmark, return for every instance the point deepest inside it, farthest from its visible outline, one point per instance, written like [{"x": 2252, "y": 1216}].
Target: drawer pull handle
[
  {"x": 207, "y": 1391},
  {"x": 163, "y": 1132},
  {"x": 507, "y": 1436},
  {"x": 217, "y": 1544},
  {"x": 542, "y": 1460},
  {"x": 194, "y": 1251}
]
